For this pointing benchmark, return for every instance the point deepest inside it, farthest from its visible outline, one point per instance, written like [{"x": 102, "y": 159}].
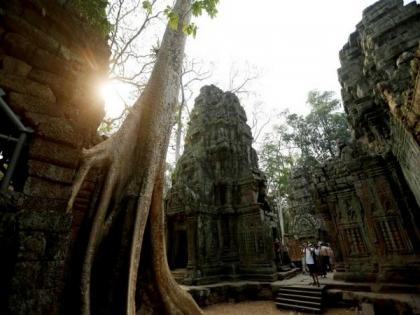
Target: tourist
[
  {"x": 277, "y": 250},
  {"x": 309, "y": 253},
  {"x": 331, "y": 257},
  {"x": 324, "y": 259},
  {"x": 304, "y": 267}
]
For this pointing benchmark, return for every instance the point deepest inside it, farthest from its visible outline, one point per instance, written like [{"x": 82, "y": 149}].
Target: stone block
[
  {"x": 15, "y": 66},
  {"x": 46, "y": 221},
  {"x": 51, "y": 172},
  {"x": 19, "y": 47},
  {"x": 52, "y": 274},
  {"x": 40, "y": 204},
  {"x": 47, "y": 61},
  {"x": 54, "y": 153},
  {"x": 25, "y": 278},
  {"x": 61, "y": 87},
  {"x": 22, "y": 103},
  {"x": 18, "y": 25},
  {"x": 55, "y": 129},
  {"x": 26, "y": 86},
  {"x": 31, "y": 245},
  {"x": 38, "y": 187}
]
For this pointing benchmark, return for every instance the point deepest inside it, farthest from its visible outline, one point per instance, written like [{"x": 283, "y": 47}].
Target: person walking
[
  {"x": 331, "y": 257},
  {"x": 310, "y": 261},
  {"x": 324, "y": 259}
]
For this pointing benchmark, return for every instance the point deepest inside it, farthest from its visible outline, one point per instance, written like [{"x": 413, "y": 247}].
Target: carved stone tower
[{"x": 220, "y": 225}]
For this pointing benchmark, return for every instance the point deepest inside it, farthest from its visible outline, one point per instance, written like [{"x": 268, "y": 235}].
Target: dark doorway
[{"x": 179, "y": 250}]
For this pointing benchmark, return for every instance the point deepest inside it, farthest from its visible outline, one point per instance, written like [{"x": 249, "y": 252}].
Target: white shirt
[{"x": 309, "y": 260}]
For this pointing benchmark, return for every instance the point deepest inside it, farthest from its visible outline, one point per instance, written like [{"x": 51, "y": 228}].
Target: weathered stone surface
[
  {"x": 37, "y": 187},
  {"x": 55, "y": 129},
  {"x": 220, "y": 225},
  {"x": 378, "y": 74},
  {"x": 61, "y": 87},
  {"x": 51, "y": 172},
  {"x": 15, "y": 66},
  {"x": 21, "y": 103},
  {"x": 32, "y": 246},
  {"x": 54, "y": 153},
  {"x": 26, "y": 86},
  {"x": 367, "y": 197},
  {"x": 368, "y": 214},
  {"x": 44, "y": 221},
  {"x": 48, "y": 59},
  {"x": 16, "y": 24}
]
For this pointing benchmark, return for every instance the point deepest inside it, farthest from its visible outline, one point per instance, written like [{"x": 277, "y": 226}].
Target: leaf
[
  {"x": 196, "y": 8},
  {"x": 173, "y": 18},
  {"x": 147, "y": 6}
]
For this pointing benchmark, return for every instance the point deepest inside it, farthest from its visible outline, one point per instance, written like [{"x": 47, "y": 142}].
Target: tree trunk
[
  {"x": 128, "y": 217},
  {"x": 179, "y": 127}
]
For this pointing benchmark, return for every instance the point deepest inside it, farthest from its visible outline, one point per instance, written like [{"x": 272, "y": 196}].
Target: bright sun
[{"x": 112, "y": 93}]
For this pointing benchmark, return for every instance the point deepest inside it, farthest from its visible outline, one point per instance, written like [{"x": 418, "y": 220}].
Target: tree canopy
[{"x": 303, "y": 140}]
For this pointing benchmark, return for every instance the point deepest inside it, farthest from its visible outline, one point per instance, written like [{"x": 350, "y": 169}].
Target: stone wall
[
  {"x": 51, "y": 61},
  {"x": 379, "y": 76}
]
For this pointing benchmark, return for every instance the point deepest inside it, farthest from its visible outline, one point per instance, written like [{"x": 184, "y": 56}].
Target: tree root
[
  {"x": 176, "y": 300},
  {"x": 133, "y": 159}
]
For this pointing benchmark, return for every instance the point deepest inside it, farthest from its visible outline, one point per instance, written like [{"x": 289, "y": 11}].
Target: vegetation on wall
[{"x": 94, "y": 11}]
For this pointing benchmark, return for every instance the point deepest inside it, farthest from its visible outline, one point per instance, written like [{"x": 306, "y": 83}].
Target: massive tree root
[{"x": 133, "y": 160}]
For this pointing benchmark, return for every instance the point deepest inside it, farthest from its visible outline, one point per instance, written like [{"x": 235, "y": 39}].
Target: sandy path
[{"x": 263, "y": 308}]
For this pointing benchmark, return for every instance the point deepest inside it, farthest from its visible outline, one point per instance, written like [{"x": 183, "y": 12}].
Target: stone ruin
[
  {"x": 219, "y": 223},
  {"x": 369, "y": 197},
  {"x": 51, "y": 60}
]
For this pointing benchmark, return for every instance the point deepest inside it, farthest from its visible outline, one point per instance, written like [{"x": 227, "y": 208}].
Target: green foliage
[
  {"x": 276, "y": 160},
  {"x": 197, "y": 8},
  {"x": 210, "y": 6},
  {"x": 303, "y": 141},
  {"x": 317, "y": 134},
  {"x": 147, "y": 6},
  {"x": 172, "y": 16},
  {"x": 94, "y": 12}
]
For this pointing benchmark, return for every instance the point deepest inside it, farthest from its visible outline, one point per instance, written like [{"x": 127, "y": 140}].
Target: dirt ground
[{"x": 263, "y": 308}]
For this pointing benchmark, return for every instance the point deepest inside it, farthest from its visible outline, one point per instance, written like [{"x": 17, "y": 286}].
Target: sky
[{"x": 293, "y": 45}]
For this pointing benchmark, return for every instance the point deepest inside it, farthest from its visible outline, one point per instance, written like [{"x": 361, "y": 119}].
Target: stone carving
[
  {"x": 379, "y": 76},
  {"x": 217, "y": 203}
]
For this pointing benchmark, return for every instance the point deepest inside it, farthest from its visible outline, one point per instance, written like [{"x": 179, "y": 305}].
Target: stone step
[
  {"x": 313, "y": 310},
  {"x": 299, "y": 296},
  {"x": 299, "y": 302},
  {"x": 300, "y": 291}
]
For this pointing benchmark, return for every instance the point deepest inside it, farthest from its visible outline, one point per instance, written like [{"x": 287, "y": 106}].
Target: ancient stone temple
[
  {"x": 219, "y": 223},
  {"x": 369, "y": 197}
]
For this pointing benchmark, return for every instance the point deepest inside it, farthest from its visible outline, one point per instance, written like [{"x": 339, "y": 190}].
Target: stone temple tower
[{"x": 220, "y": 225}]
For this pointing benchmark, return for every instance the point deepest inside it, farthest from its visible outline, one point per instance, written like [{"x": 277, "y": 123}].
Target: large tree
[
  {"x": 316, "y": 135},
  {"x": 126, "y": 236}
]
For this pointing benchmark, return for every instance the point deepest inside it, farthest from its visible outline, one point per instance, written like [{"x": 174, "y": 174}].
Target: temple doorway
[{"x": 178, "y": 247}]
